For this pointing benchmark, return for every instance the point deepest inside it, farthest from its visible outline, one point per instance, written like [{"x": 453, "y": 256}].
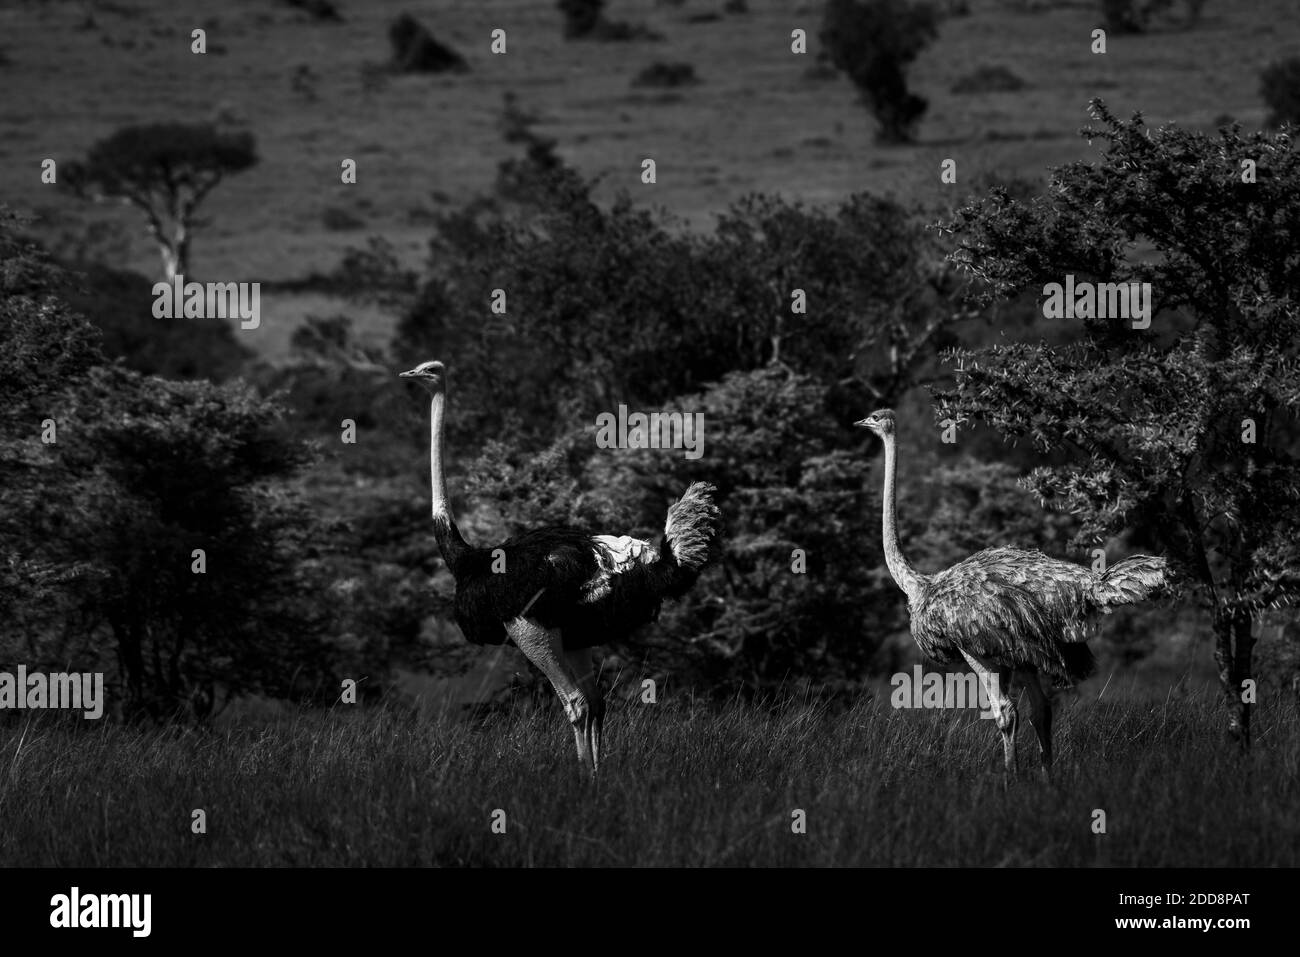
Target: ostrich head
[
  {"x": 428, "y": 374},
  {"x": 880, "y": 422}
]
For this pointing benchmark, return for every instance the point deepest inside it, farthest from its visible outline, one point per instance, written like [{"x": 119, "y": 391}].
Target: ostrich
[
  {"x": 558, "y": 591},
  {"x": 1011, "y": 613}
]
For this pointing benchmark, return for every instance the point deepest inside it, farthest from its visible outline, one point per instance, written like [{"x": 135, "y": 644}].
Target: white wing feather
[{"x": 615, "y": 554}]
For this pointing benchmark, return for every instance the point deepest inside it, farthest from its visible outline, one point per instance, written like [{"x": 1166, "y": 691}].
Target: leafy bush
[
  {"x": 989, "y": 79},
  {"x": 336, "y": 219},
  {"x": 1279, "y": 84},
  {"x": 619, "y": 304},
  {"x": 873, "y": 41},
  {"x": 585, "y": 20},
  {"x": 416, "y": 50},
  {"x": 661, "y": 74},
  {"x": 120, "y": 303},
  {"x": 1137, "y": 16},
  {"x": 1124, "y": 16},
  {"x": 581, "y": 17},
  {"x": 98, "y": 526},
  {"x": 321, "y": 10}
]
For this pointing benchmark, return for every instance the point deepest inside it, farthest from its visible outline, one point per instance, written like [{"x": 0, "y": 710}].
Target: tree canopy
[{"x": 1188, "y": 428}]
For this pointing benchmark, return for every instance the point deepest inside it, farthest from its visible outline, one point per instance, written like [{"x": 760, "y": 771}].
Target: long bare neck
[
  {"x": 450, "y": 542},
  {"x": 899, "y": 567}
]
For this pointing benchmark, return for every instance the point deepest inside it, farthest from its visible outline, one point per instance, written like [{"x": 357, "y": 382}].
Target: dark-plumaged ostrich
[
  {"x": 1013, "y": 614},
  {"x": 559, "y": 591}
]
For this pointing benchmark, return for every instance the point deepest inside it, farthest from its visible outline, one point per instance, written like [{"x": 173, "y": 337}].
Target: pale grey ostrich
[
  {"x": 558, "y": 591},
  {"x": 1011, "y": 613}
]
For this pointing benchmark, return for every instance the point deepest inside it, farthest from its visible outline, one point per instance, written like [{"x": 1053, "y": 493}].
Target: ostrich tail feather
[
  {"x": 1132, "y": 580},
  {"x": 692, "y": 525}
]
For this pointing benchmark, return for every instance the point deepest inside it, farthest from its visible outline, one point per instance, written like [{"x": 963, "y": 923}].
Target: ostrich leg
[
  {"x": 1008, "y": 719},
  {"x": 543, "y": 648},
  {"x": 1041, "y": 716},
  {"x": 997, "y": 683},
  {"x": 580, "y": 666}
]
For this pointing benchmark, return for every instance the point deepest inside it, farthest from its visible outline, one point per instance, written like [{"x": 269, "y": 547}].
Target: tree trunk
[
  {"x": 171, "y": 261},
  {"x": 1233, "y": 643},
  {"x": 175, "y": 250},
  {"x": 181, "y": 244},
  {"x": 131, "y": 657}
]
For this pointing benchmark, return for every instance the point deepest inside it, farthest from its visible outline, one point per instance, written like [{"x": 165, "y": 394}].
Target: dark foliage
[
  {"x": 873, "y": 41},
  {"x": 416, "y": 50},
  {"x": 585, "y": 20},
  {"x": 119, "y": 303},
  {"x": 989, "y": 79},
  {"x": 581, "y": 17},
  {"x": 662, "y": 74},
  {"x": 321, "y": 10},
  {"x": 1138, "y": 16},
  {"x": 1279, "y": 84},
  {"x": 1188, "y": 427},
  {"x": 109, "y": 482}
]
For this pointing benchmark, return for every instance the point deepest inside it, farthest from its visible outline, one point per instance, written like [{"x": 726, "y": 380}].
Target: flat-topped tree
[
  {"x": 165, "y": 170},
  {"x": 1189, "y": 429}
]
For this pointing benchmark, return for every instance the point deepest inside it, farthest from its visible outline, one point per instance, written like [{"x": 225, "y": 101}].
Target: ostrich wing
[
  {"x": 1016, "y": 607},
  {"x": 616, "y": 555}
]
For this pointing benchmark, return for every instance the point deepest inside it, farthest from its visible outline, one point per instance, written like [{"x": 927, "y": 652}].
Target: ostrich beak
[
  {"x": 409, "y": 373},
  {"x": 863, "y": 423}
]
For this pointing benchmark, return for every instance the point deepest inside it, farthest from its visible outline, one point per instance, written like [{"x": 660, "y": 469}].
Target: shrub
[
  {"x": 581, "y": 17},
  {"x": 1136, "y": 16},
  {"x": 97, "y": 531},
  {"x": 119, "y": 303},
  {"x": 1279, "y": 83},
  {"x": 1124, "y": 16},
  {"x": 415, "y": 50},
  {"x": 873, "y": 41},
  {"x": 584, "y": 20},
  {"x": 341, "y": 220},
  {"x": 989, "y": 79},
  {"x": 323, "y": 10},
  {"x": 661, "y": 74}
]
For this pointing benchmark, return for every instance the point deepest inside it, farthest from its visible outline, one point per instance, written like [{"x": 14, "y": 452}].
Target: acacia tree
[
  {"x": 165, "y": 170},
  {"x": 1189, "y": 426}
]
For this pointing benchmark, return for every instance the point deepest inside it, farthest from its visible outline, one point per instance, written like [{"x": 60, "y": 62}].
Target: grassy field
[
  {"x": 685, "y": 784},
  {"x": 757, "y": 120}
]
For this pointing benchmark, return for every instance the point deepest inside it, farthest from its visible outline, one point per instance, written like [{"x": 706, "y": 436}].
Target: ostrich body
[
  {"x": 559, "y": 591},
  {"x": 1013, "y": 614}
]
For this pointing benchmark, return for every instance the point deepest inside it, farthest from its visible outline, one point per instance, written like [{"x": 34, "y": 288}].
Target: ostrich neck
[
  {"x": 899, "y": 567},
  {"x": 450, "y": 542}
]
